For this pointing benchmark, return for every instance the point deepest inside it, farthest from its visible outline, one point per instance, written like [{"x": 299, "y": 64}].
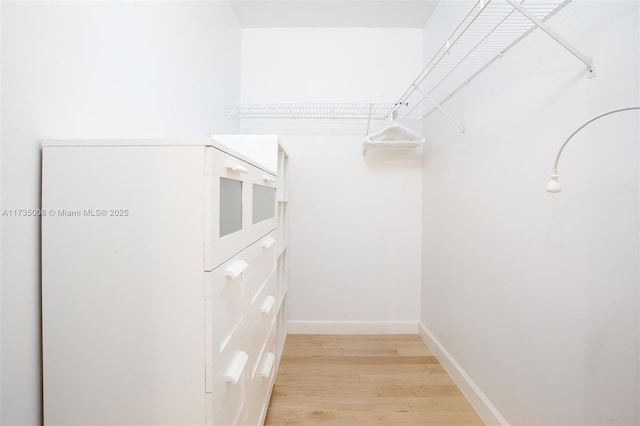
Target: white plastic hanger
[{"x": 393, "y": 136}]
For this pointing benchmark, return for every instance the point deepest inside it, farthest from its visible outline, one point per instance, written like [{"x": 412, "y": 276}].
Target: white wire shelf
[
  {"x": 334, "y": 111},
  {"x": 489, "y": 29}
]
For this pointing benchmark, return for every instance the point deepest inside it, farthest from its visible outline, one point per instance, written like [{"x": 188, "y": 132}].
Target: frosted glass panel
[
  {"x": 230, "y": 206},
  {"x": 264, "y": 203}
]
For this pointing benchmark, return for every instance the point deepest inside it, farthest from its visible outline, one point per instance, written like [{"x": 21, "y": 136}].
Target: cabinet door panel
[
  {"x": 223, "y": 304},
  {"x": 260, "y": 382},
  {"x": 227, "y": 384},
  {"x": 230, "y": 208},
  {"x": 263, "y": 203},
  {"x": 260, "y": 319},
  {"x": 262, "y": 262}
]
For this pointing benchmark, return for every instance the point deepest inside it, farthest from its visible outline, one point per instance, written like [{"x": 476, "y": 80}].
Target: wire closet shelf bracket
[{"x": 490, "y": 29}]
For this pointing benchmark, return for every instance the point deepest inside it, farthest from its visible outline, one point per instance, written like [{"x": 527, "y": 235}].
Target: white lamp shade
[{"x": 554, "y": 186}]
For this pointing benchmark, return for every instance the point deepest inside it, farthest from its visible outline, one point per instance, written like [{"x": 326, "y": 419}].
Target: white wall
[
  {"x": 96, "y": 70},
  {"x": 354, "y": 220},
  {"x": 536, "y": 295}
]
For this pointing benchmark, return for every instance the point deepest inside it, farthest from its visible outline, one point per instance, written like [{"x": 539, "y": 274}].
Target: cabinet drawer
[
  {"x": 240, "y": 205},
  {"x": 261, "y": 318},
  {"x": 224, "y": 307},
  {"x": 222, "y": 164},
  {"x": 262, "y": 257},
  {"x": 226, "y": 383},
  {"x": 260, "y": 382}
]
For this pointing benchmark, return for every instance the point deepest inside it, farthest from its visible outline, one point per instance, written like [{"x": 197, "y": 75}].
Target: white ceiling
[{"x": 333, "y": 13}]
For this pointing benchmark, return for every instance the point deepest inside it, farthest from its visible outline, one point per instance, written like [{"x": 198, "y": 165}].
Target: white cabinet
[{"x": 160, "y": 285}]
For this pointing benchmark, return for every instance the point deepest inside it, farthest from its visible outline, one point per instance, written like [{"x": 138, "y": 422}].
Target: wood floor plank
[
  {"x": 355, "y": 404},
  {"x": 414, "y": 350},
  {"x": 414, "y": 391},
  {"x": 313, "y": 377},
  {"x": 328, "y": 390},
  {"x": 294, "y": 416},
  {"x": 360, "y": 360},
  {"x": 311, "y": 348},
  {"x": 311, "y": 370},
  {"x": 373, "y": 347},
  {"x": 403, "y": 338},
  {"x": 452, "y": 410},
  {"x": 364, "y": 380}
]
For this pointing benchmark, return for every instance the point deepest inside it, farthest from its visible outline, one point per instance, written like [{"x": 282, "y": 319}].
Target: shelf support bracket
[
  {"x": 437, "y": 105},
  {"x": 554, "y": 35}
]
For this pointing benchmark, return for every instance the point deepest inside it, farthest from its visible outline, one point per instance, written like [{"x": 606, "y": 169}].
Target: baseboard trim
[
  {"x": 487, "y": 411},
  {"x": 352, "y": 327}
]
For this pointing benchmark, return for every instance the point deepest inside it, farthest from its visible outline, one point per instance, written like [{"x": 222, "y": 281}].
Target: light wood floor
[{"x": 364, "y": 380}]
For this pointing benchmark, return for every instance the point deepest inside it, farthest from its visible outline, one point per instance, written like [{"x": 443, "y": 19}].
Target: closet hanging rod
[{"x": 318, "y": 111}]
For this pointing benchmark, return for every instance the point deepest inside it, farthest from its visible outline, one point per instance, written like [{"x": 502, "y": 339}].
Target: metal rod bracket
[
  {"x": 554, "y": 35},
  {"x": 437, "y": 105}
]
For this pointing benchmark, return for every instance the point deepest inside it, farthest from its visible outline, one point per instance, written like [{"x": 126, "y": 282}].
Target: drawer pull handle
[
  {"x": 235, "y": 269},
  {"x": 268, "y": 242},
  {"x": 267, "y": 305},
  {"x": 236, "y": 367},
  {"x": 268, "y": 178},
  {"x": 267, "y": 365},
  {"x": 235, "y": 167}
]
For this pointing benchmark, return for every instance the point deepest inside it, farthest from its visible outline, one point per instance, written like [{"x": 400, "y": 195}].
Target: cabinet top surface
[{"x": 180, "y": 142}]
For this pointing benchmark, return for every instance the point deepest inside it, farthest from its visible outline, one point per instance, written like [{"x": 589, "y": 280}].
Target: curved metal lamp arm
[{"x": 553, "y": 185}]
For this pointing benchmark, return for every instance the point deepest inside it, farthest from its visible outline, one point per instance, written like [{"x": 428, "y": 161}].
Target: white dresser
[{"x": 163, "y": 280}]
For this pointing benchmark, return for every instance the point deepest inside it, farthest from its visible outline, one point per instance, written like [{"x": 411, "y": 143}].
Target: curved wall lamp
[{"x": 553, "y": 185}]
